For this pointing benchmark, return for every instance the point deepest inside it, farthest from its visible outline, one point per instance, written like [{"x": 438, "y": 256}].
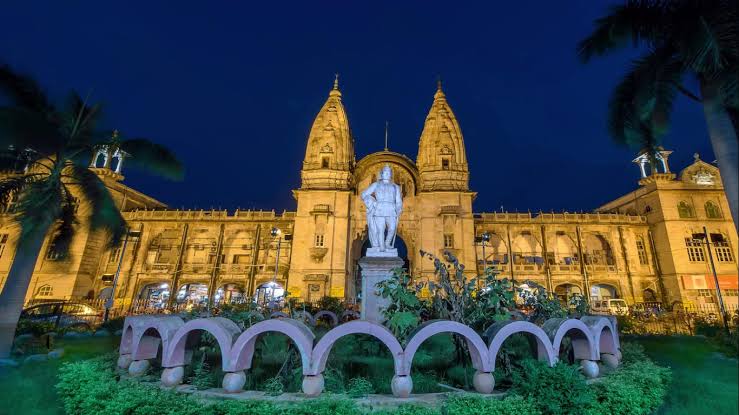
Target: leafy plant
[
  {"x": 510, "y": 405},
  {"x": 560, "y": 389},
  {"x": 542, "y": 304},
  {"x": 359, "y": 387},
  {"x": 404, "y": 311},
  {"x": 274, "y": 386}
]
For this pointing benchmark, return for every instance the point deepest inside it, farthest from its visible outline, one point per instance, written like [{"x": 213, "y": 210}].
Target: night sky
[{"x": 233, "y": 87}]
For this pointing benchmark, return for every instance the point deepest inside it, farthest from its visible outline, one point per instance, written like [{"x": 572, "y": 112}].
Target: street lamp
[
  {"x": 702, "y": 238},
  {"x": 109, "y": 302},
  {"x": 482, "y": 239}
]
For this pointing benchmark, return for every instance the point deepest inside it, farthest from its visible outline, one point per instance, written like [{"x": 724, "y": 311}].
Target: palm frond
[
  {"x": 65, "y": 228},
  {"x": 23, "y": 128},
  {"x": 104, "y": 212},
  {"x": 153, "y": 157},
  {"x": 634, "y": 22},
  {"x": 23, "y": 91},
  {"x": 645, "y": 95},
  {"x": 39, "y": 205}
]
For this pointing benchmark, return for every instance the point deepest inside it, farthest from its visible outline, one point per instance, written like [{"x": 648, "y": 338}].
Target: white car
[{"x": 612, "y": 307}]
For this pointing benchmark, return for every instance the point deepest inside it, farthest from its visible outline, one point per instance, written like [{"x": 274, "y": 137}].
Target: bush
[
  {"x": 560, "y": 389},
  {"x": 632, "y": 353},
  {"x": 359, "y": 387},
  {"x": 113, "y": 324},
  {"x": 635, "y": 389},
  {"x": 34, "y": 328},
  {"x": 511, "y": 405},
  {"x": 274, "y": 386}
]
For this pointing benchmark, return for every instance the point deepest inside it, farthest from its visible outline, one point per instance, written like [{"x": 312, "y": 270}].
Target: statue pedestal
[{"x": 376, "y": 268}]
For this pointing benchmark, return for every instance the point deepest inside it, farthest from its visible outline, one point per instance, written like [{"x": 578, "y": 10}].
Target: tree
[
  {"x": 49, "y": 149},
  {"x": 683, "y": 38}
]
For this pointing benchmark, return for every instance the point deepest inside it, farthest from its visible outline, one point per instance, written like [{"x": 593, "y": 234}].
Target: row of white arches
[{"x": 593, "y": 338}]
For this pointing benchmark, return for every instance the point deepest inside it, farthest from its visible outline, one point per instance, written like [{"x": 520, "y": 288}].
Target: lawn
[
  {"x": 704, "y": 381},
  {"x": 29, "y": 389}
]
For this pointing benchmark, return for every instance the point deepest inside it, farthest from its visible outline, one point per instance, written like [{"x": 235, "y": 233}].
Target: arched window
[
  {"x": 712, "y": 210},
  {"x": 641, "y": 251},
  {"x": 684, "y": 210},
  {"x": 45, "y": 291}
]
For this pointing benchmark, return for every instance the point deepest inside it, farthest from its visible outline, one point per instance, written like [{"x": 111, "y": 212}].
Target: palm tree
[
  {"x": 683, "y": 38},
  {"x": 49, "y": 152}
]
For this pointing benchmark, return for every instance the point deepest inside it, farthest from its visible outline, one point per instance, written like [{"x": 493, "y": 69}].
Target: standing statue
[{"x": 384, "y": 203}]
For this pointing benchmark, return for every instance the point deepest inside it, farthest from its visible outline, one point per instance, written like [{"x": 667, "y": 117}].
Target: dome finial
[
  {"x": 439, "y": 92},
  {"x": 335, "y": 90}
]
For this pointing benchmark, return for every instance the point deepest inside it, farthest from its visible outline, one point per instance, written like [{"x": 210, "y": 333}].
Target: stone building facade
[{"x": 640, "y": 247}]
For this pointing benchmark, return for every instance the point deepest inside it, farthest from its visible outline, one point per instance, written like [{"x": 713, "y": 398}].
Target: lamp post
[
  {"x": 482, "y": 239},
  {"x": 276, "y": 233},
  {"x": 703, "y": 239},
  {"x": 110, "y": 300}
]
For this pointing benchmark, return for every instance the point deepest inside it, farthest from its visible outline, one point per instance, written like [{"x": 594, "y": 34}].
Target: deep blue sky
[{"x": 233, "y": 88}]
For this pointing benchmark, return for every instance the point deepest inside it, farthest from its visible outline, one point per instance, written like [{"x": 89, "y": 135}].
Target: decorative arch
[
  {"x": 350, "y": 314},
  {"x": 597, "y": 250},
  {"x": 526, "y": 249},
  {"x": 477, "y": 347},
  {"x": 326, "y": 313},
  {"x": 304, "y": 316},
  {"x": 369, "y": 162},
  {"x": 380, "y": 332},
  {"x": 583, "y": 341},
  {"x": 242, "y": 353},
  {"x": 139, "y": 344},
  {"x": 603, "y": 329},
  {"x": 279, "y": 314},
  {"x": 685, "y": 209},
  {"x": 562, "y": 250},
  {"x": 712, "y": 210},
  {"x": 499, "y": 332},
  {"x": 223, "y": 329}
]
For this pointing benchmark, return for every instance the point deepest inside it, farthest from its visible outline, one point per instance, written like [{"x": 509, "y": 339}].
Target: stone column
[{"x": 374, "y": 270}]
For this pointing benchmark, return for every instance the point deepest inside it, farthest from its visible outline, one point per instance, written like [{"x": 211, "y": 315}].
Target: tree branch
[{"x": 688, "y": 93}]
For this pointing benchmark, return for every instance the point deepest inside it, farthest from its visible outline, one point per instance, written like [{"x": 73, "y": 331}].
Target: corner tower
[
  {"x": 442, "y": 161},
  {"x": 319, "y": 264},
  {"x": 329, "y": 155}
]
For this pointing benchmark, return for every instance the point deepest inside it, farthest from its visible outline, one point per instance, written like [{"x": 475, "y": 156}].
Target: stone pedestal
[{"x": 376, "y": 266}]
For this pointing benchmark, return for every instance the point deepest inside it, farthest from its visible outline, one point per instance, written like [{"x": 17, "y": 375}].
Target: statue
[{"x": 384, "y": 203}]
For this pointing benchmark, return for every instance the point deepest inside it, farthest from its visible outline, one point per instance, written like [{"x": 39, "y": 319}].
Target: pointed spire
[
  {"x": 335, "y": 91},
  {"x": 439, "y": 92}
]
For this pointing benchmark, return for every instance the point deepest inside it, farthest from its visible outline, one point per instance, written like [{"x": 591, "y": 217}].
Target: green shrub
[
  {"x": 560, "y": 389},
  {"x": 636, "y": 389},
  {"x": 333, "y": 381},
  {"x": 359, "y": 387},
  {"x": 113, "y": 324},
  {"x": 274, "y": 386},
  {"x": 34, "y": 328},
  {"x": 511, "y": 405},
  {"x": 203, "y": 377},
  {"x": 632, "y": 353}
]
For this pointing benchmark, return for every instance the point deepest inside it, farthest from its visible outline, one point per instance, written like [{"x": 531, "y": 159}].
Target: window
[
  {"x": 324, "y": 163},
  {"x": 3, "y": 241},
  {"x": 45, "y": 291},
  {"x": 445, "y": 164},
  {"x": 731, "y": 293},
  {"x": 113, "y": 256},
  {"x": 722, "y": 248},
  {"x": 448, "y": 240},
  {"x": 685, "y": 210},
  {"x": 51, "y": 252},
  {"x": 642, "y": 251},
  {"x": 712, "y": 210},
  {"x": 704, "y": 293},
  {"x": 319, "y": 240},
  {"x": 695, "y": 250}
]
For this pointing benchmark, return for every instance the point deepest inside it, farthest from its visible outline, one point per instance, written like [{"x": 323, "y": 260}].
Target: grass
[
  {"x": 29, "y": 389},
  {"x": 704, "y": 381}
]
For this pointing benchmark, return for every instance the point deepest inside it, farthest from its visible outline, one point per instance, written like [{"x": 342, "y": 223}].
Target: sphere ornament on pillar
[
  {"x": 484, "y": 382},
  {"x": 384, "y": 202},
  {"x": 589, "y": 368},
  {"x": 172, "y": 376},
  {"x": 233, "y": 382},
  {"x": 313, "y": 385},
  {"x": 124, "y": 360},
  {"x": 138, "y": 367},
  {"x": 610, "y": 360},
  {"x": 402, "y": 386}
]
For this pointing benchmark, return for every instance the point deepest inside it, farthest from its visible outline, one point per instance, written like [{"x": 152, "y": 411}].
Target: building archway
[
  {"x": 229, "y": 294},
  {"x": 566, "y": 291},
  {"x": 192, "y": 295},
  {"x": 269, "y": 294},
  {"x": 155, "y": 295},
  {"x": 603, "y": 292}
]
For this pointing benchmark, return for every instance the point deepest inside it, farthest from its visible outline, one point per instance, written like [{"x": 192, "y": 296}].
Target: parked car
[
  {"x": 63, "y": 314},
  {"x": 613, "y": 306}
]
